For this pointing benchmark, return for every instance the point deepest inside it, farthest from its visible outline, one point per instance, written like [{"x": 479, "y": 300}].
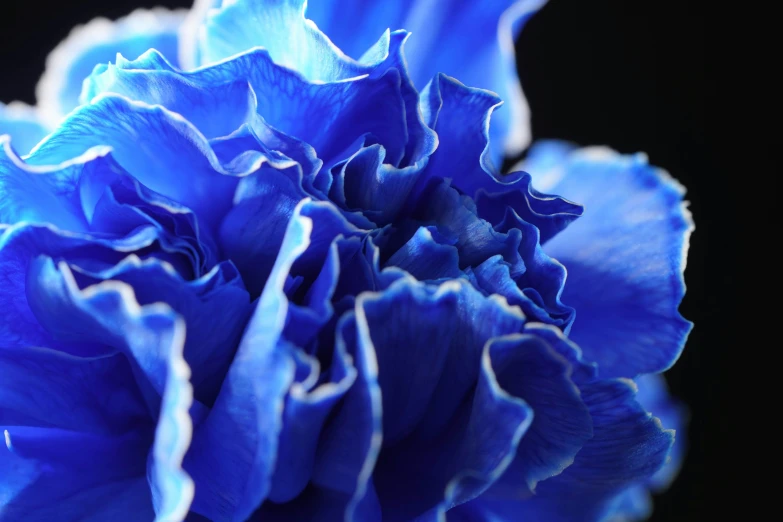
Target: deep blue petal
[
  {"x": 628, "y": 446},
  {"x": 425, "y": 416},
  {"x": 47, "y": 388},
  {"x": 352, "y": 438},
  {"x": 625, "y": 258},
  {"x": 20, "y": 246},
  {"x": 99, "y": 41},
  {"x": 461, "y": 116},
  {"x": 537, "y": 366},
  {"x": 215, "y": 308},
  {"x": 69, "y": 496},
  {"x": 233, "y": 455},
  {"x": 23, "y": 124},
  {"x": 152, "y": 337}
]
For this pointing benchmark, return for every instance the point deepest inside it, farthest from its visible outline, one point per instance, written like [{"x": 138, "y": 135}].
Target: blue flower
[{"x": 247, "y": 275}]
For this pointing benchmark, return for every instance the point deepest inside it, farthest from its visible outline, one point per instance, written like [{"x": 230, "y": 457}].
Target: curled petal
[
  {"x": 153, "y": 145},
  {"x": 625, "y": 259},
  {"x": 152, "y": 338},
  {"x": 479, "y": 37},
  {"x": 444, "y": 329},
  {"x": 234, "y": 451},
  {"x": 628, "y": 446},
  {"x": 99, "y": 41}
]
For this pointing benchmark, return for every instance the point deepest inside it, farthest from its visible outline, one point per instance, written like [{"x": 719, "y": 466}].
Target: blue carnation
[{"x": 259, "y": 263}]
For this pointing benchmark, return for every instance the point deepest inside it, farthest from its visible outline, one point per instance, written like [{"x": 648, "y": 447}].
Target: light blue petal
[
  {"x": 151, "y": 143},
  {"x": 281, "y": 28},
  {"x": 215, "y": 111},
  {"x": 625, "y": 259},
  {"x": 234, "y": 451},
  {"x": 49, "y": 194},
  {"x": 23, "y": 124},
  {"x": 99, "y": 41}
]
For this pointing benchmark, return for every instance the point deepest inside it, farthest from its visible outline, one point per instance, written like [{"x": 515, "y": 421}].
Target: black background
[{"x": 634, "y": 75}]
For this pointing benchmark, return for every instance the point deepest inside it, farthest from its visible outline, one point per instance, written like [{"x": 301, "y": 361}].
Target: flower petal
[
  {"x": 234, "y": 451},
  {"x": 151, "y": 143},
  {"x": 654, "y": 396},
  {"x": 49, "y": 194},
  {"x": 409, "y": 321},
  {"x": 152, "y": 337},
  {"x": 625, "y": 258},
  {"x": 479, "y": 37},
  {"x": 216, "y": 111},
  {"x": 628, "y": 446},
  {"x": 215, "y": 308},
  {"x": 99, "y": 41},
  {"x": 461, "y": 116},
  {"x": 381, "y": 103},
  {"x": 43, "y": 387},
  {"x": 23, "y": 124},
  {"x": 281, "y": 28},
  {"x": 538, "y": 368}
]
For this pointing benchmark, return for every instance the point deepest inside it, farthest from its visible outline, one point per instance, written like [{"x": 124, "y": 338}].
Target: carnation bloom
[{"x": 248, "y": 275}]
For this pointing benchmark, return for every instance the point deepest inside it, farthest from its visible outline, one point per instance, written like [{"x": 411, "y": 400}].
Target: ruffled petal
[
  {"x": 215, "y": 308},
  {"x": 628, "y": 446},
  {"x": 461, "y": 116},
  {"x": 540, "y": 367},
  {"x": 99, "y": 41},
  {"x": 381, "y": 102},
  {"x": 215, "y": 110},
  {"x": 152, "y": 337},
  {"x": 234, "y": 451},
  {"x": 625, "y": 259},
  {"x": 23, "y": 124},
  {"x": 49, "y": 194},
  {"x": 472, "y": 41},
  {"x": 20, "y": 247},
  {"x": 154, "y": 145},
  {"x": 46, "y": 388},
  {"x": 430, "y": 438}
]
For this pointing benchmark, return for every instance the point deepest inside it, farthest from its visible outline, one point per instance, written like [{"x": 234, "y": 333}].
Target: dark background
[{"x": 634, "y": 75}]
